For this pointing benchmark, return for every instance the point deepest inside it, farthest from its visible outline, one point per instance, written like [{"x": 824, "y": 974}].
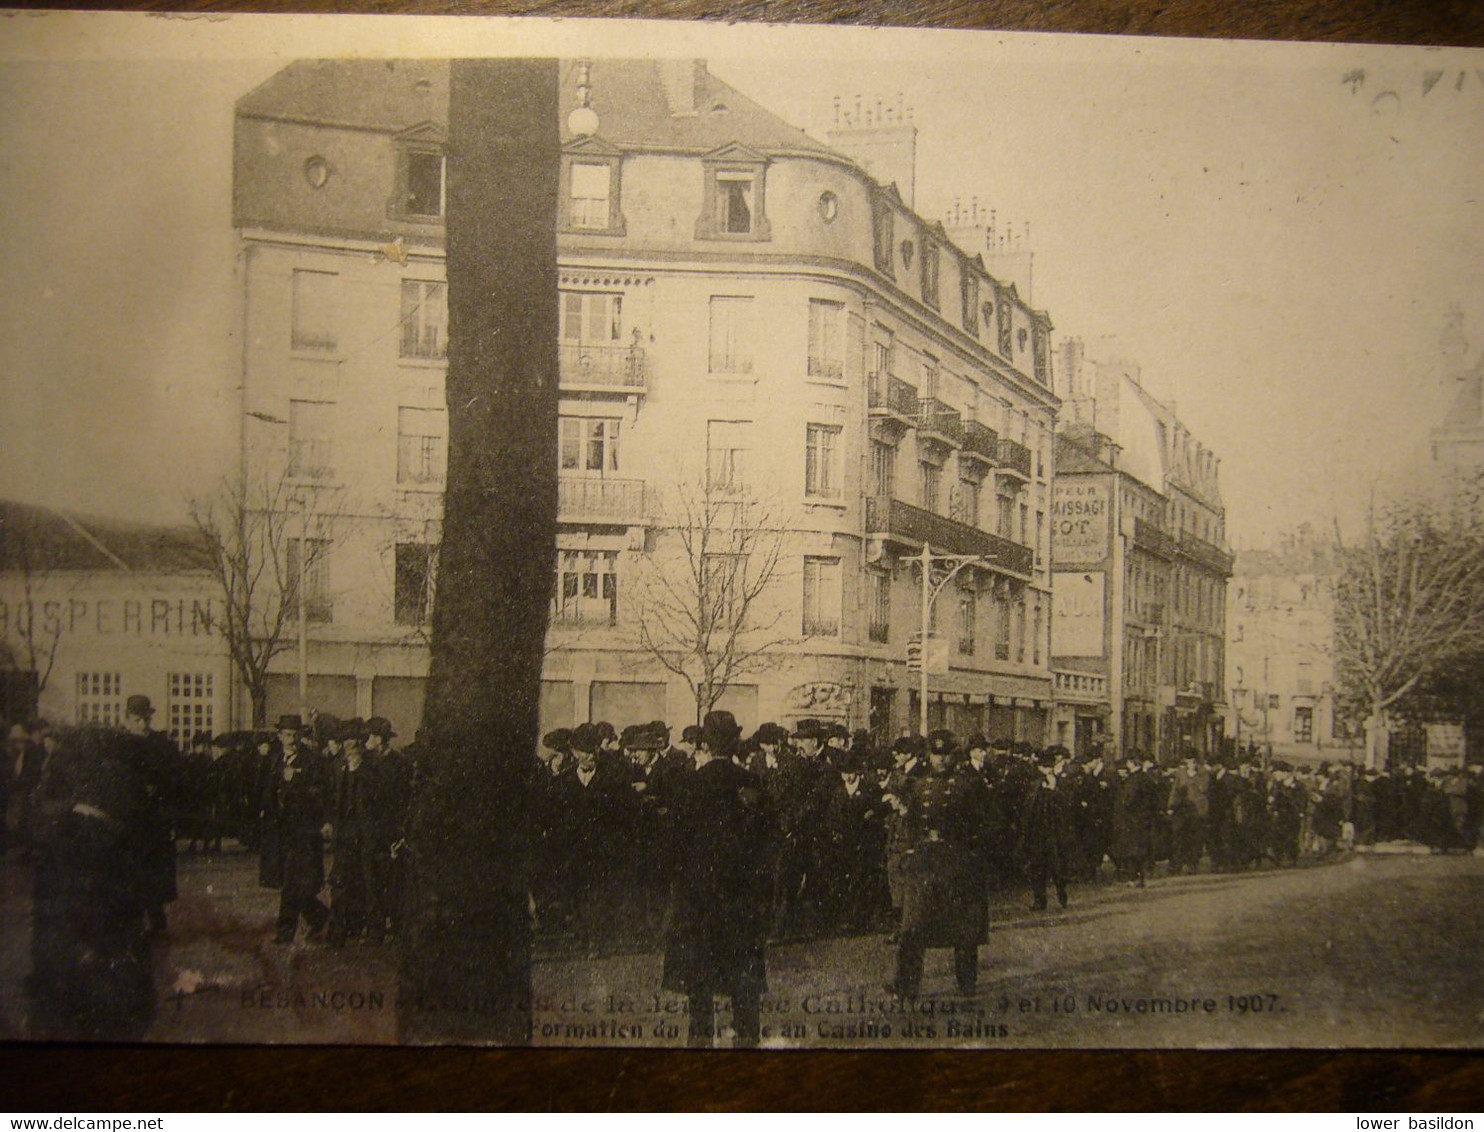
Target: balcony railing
[
  {"x": 581, "y": 500},
  {"x": 611, "y": 367},
  {"x": 1085, "y": 687},
  {"x": 889, "y": 394},
  {"x": 980, "y": 441},
  {"x": 1013, "y": 457},
  {"x": 1149, "y": 537},
  {"x": 815, "y": 626},
  {"x": 938, "y": 421},
  {"x": 1209, "y": 555},
  {"x": 915, "y": 526}
]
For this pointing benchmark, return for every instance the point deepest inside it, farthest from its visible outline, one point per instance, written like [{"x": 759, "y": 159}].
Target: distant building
[
  {"x": 1280, "y": 653},
  {"x": 95, "y": 611},
  {"x": 742, "y": 307},
  {"x": 1141, "y": 569}
]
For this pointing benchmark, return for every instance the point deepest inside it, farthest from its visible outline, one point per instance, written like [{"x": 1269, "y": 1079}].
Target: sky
[{"x": 1272, "y": 237}]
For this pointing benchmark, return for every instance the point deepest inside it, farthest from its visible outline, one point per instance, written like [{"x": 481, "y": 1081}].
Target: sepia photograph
[{"x": 551, "y": 533}]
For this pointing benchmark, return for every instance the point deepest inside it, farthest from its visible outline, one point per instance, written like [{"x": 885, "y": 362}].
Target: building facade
[
  {"x": 92, "y": 612},
  {"x": 751, "y": 327},
  {"x": 1141, "y": 569}
]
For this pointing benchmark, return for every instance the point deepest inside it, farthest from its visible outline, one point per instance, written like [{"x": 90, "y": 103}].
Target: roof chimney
[{"x": 682, "y": 80}]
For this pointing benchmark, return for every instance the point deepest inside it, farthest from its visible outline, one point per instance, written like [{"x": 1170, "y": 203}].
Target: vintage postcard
[{"x": 626, "y": 534}]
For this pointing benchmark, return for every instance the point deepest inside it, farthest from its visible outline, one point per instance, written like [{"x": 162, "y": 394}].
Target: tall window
[
  {"x": 970, "y": 302},
  {"x": 931, "y": 375},
  {"x": 1036, "y": 634},
  {"x": 416, "y": 569},
  {"x": 968, "y": 615},
  {"x": 826, "y": 339},
  {"x": 587, "y": 587},
  {"x": 1020, "y": 631},
  {"x": 422, "y": 446},
  {"x": 822, "y": 461},
  {"x": 731, "y": 334},
  {"x": 312, "y": 321},
  {"x": 1040, "y": 537},
  {"x": 930, "y": 265},
  {"x": 734, "y": 202},
  {"x": 310, "y": 452},
  {"x": 968, "y": 502},
  {"x": 883, "y": 469},
  {"x": 726, "y": 455},
  {"x": 1005, "y": 516},
  {"x": 1002, "y": 629},
  {"x": 884, "y": 242},
  {"x": 932, "y": 480},
  {"x": 588, "y": 445},
  {"x": 590, "y": 190},
  {"x": 424, "y": 184},
  {"x": 315, "y": 552},
  {"x": 424, "y": 319},
  {"x": 100, "y": 698},
  {"x": 591, "y": 317},
  {"x": 880, "y": 625},
  {"x": 190, "y": 705},
  {"x": 821, "y": 597},
  {"x": 1303, "y": 725}
]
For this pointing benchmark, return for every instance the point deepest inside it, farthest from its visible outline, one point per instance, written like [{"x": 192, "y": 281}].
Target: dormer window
[
  {"x": 591, "y": 179},
  {"x": 930, "y": 260},
  {"x": 421, "y": 168},
  {"x": 734, "y": 196},
  {"x": 425, "y": 184}
]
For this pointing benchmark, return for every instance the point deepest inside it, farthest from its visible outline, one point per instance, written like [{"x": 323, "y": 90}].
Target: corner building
[{"x": 744, "y": 311}]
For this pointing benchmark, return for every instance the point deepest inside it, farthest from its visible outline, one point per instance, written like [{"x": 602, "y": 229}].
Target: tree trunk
[
  {"x": 466, "y": 957},
  {"x": 258, "y": 693}
]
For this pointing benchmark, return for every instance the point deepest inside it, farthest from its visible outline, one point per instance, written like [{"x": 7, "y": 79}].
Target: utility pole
[{"x": 930, "y": 591}]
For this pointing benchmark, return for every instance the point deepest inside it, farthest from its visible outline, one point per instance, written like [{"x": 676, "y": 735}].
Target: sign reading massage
[{"x": 1079, "y": 523}]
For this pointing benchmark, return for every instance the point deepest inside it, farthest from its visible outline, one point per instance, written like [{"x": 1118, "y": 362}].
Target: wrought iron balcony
[
  {"x": 980, "y": 442},
  {"x": 1149, "y": 537},
  {"x": 623, "y": 369},
  {"x": 937, "y": 421},
  {"x": 890, "y": 396},
  {"x": 612, "y": 501},
  {"x": 914, "y": 526},
  {"x": 1013, "y": 457},
  {"x": 1206, "y": 554}
]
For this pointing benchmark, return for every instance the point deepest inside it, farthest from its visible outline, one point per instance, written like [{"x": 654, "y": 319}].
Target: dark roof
[
  {"x": 40, "y": 539},
  {"x": 640, "y": 102}
]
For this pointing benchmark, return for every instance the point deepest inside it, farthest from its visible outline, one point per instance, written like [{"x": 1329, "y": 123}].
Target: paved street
[{"x": 1373, "y": 950}]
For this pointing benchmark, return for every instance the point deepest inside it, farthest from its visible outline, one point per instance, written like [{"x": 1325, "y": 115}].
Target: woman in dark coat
[
  {"x": 1048, "y": 841},
  {"x": 945, "y": 903},
  {"x": 721, "y": 888},
  {"x": 1134, "y": 809}
]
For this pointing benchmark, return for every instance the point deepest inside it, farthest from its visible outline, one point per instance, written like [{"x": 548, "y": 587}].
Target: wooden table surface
[{"x": 62, "y": 1078}]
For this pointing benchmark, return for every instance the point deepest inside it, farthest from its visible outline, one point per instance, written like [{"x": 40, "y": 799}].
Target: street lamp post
[{"x": 930, "y": 591}]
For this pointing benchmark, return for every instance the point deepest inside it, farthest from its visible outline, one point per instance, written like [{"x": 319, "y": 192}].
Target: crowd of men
[{"x": 807, "y": 831}]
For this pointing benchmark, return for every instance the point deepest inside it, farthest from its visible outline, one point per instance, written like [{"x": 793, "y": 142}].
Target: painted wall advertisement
[
  {"x": 1079, "y": 521},
  {"x": 1077, "y": 613}
]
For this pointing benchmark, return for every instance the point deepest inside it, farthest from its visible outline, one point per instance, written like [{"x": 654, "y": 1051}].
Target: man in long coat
[
  {"x": 364, "y": 824},
  {"x": 1134, "y": 809},
  {"x": 1190, "y": 808},
  {"x": 1048, "y": 843},
  {"x": 721, "y": 888},
  {"x": 944, "y": 894},
  {"x": 296, "y": 800}
]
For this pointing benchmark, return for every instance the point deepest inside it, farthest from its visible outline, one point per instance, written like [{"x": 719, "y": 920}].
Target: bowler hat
[
  {"x": 139, "y": 706},
  {"x": 353, "y": 730},
  {"x": 691, "y": 734},
  {"x": 906, "y": 745},
  {"x": 851, "y": 762},
  {"x": 719, "y": 731},
  {"x": 771, "y": 734},
  {"x": 289, "y": 723},
  {"x": 586, "y": 737},
  {"x": 810, "y": 729},
  {"x": 559, "y": 740},
  {"x": 976, "y": 742},
  {"x": 380, "y": 725}
]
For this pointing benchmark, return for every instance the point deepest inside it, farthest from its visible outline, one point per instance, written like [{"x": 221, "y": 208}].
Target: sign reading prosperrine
[{"x": 1079, "y": 517}]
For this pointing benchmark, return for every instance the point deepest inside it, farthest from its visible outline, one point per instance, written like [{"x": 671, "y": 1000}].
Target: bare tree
[
  {"x": 701, "y": 611},
  {"x": 39, "y": 636},
  {"x": 1409, "y": 600},
  {"x": 261, "y": 537}
]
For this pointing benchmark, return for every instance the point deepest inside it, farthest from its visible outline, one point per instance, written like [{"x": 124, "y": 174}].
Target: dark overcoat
[
  {"x": 1134, "y": 809},
  {"x": 722, "y": 887},
  {"x": 945, "y": 899}
]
